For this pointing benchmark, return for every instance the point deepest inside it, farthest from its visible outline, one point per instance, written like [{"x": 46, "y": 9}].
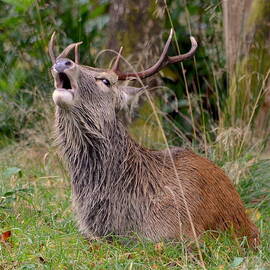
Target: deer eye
[{"x": 106, "y": 82}]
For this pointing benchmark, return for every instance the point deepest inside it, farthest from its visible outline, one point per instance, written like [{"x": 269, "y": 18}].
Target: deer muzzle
[{"x": 65, "y": 75}]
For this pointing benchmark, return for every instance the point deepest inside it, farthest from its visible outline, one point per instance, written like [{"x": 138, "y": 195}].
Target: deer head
[{"x": 79, "y": 86}]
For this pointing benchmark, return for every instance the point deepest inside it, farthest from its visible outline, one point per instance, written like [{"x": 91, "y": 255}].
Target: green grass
[{"x": 35, "y": 206}]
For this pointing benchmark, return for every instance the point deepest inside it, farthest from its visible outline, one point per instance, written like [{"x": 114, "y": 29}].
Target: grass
[{"x": 35, "y": 206}]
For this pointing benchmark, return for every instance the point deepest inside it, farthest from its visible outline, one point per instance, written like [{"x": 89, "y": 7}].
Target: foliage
[
  {"x": 25, "y": 31},
  {"x": 201, "y": 96},
  {"x": 193, "y": 106}
]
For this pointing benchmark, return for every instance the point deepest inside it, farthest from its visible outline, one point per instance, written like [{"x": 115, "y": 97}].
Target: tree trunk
[
  {"x": 235, "y": 15},
  {"x": 137, "y": 26},
  {"x": 247, "y": 39}
]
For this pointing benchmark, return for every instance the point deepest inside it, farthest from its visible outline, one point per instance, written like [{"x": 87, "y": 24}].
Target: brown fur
[{"x": 120, "y": 186}]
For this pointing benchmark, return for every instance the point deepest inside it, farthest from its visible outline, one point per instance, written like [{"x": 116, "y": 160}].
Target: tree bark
[
  {"x": 235, "y": 14},
  {"x": 137, "y": 26},
  {"x": 247, "y": 39}
]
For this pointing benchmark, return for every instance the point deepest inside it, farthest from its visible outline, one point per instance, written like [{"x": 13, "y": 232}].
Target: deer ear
[{"x": 130, "y": 92}]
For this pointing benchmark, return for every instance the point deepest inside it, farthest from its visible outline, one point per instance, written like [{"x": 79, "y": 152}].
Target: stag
[{"x": 119, "y": 186}]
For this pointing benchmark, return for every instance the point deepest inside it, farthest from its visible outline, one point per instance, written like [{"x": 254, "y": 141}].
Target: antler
[
  {"x": 116, "y": 63},
  {"x": 51, "y": 47},
  {"x": 65, "y": 52},
  {"x": 68, "y": 49},
  {"x": 163, "y": 61},
  {"x": 77, "y": 55}
]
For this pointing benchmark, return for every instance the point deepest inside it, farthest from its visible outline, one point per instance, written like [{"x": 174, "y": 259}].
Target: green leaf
[
  {"x": 9, "y": 193},
  {"x": 18, "y": 190},
  {"x": 237, "y": 261},
  {"x": 12, "y": 171},
  {"x": 98, "y": 11},
  {"x": 168, "y": 73},
  {"x": 21, "y": 5}
]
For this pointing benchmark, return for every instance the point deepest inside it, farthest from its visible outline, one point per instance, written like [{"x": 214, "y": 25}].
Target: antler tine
[
  {"x": 155, "y": 68},
  {"x": 163, "y": 61},
  {"x": 190, "y": 53},
  {"x": 67, "y": 50},
  {"x": 77, "y": 56},
  {"x": 117, "y": 60},
  {"x": 51, "y": 47}
]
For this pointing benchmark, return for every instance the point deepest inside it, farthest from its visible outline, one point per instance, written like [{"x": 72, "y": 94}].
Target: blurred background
[{"x": 218, "y": 102}]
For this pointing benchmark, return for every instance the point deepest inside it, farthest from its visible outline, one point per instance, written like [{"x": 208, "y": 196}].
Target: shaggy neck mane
[
  {"x": 109, "y": 170},
  {"x": 102, "y": 155}
]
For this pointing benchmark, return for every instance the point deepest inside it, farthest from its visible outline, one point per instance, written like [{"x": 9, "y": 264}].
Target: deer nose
[{"x": 62, "y": 64}]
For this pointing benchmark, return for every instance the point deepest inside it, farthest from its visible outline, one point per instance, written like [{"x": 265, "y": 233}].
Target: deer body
[{"x": 120, "y": 186}]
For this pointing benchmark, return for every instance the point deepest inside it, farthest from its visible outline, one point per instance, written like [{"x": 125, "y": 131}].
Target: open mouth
[
  {"x": 64, "y": 94},
  {"x": 64, "y": 81}
]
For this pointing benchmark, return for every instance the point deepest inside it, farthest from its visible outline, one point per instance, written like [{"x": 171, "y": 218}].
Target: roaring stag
[{"x": 120, "y": 186}]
